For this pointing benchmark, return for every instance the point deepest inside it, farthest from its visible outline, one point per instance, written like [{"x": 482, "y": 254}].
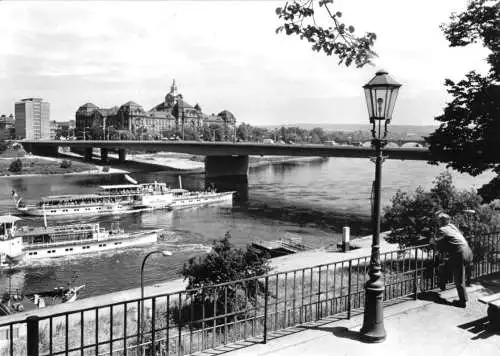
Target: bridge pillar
[
  {"x": 88, "y": 153},
  {"x": 226, "y": 166},
  {"x": 228, "y": 173},
  {"x": 122, "y": 155},
  {"x": 104, "y": 155}
]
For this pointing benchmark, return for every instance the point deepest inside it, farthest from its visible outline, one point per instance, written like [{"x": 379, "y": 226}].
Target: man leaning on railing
[{"x": 450, "y": 240}]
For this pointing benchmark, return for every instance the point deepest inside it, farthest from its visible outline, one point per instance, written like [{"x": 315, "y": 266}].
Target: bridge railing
[{"x": 252, "y": 309}]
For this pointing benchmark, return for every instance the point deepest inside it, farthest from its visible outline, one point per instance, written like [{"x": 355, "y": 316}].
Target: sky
[{"x": 224, "y": 55}]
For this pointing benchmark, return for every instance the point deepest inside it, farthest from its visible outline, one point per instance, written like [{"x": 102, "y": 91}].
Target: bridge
[{"x": 221, "y": 158}]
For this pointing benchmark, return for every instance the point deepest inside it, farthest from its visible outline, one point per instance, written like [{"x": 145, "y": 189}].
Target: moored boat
[
  {"x": 109, "y": 200},
  {"x": 183, "y": 198}
]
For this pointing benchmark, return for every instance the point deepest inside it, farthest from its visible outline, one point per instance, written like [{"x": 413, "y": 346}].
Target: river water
[{"x": 310, "y": 200}]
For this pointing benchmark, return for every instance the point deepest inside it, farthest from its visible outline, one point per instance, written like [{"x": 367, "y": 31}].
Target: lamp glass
[{"x": 381, "y": 93}]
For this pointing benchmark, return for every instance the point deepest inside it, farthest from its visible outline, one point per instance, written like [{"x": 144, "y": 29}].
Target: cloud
[{"x": 224, "y": 55}]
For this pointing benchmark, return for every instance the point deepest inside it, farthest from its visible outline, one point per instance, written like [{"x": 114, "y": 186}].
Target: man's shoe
[{"x": 459, "y": 303}]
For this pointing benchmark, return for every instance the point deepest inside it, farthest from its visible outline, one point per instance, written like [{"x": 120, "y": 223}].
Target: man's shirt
[{"x": 451, "y": 239}]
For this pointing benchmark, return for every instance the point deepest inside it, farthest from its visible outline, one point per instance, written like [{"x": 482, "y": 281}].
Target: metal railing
[{"x": 251, "y": 309}]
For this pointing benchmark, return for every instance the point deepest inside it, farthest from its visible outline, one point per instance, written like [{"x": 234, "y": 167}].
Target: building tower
[
  {"x": 171, "y": 98},
  {"x": 32, "y": 119}
]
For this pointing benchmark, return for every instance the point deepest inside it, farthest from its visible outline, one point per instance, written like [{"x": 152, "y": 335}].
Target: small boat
[
  {"x": 29, "y": 243},
  {"x": 17, "y": 302}
]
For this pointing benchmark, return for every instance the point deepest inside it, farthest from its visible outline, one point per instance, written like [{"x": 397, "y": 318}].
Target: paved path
[{"x": 414, "y": 328}]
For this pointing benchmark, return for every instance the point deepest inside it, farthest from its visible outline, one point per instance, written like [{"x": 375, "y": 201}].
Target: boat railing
[{"x": 37, "y": 245}]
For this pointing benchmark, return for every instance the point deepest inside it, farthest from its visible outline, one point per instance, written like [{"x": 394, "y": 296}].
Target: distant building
[
  {"x": 32, "y": 119},
  {"x": 53, "y": 129},
  {"x": 7, "y": 127},
  {"x": 172, "y": 116}
]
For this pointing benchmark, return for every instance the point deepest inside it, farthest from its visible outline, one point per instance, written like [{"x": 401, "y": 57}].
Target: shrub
[
  {"x": 66, "y": 163},
  {"x": 223, "y": 264},
  {"x": 16, "y": 166},
  {"x": 412, "y": 217},
  {"x": 3, "y": 146}
]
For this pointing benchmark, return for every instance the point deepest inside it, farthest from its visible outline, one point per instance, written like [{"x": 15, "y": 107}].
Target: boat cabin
[
  {"x": 11, "y": 246},
  {"x": 59, "y": 234},
  {"x": 134, "y": 189}
]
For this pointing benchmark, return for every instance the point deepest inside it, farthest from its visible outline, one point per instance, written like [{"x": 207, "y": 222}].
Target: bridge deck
[{"x": 239, "y": 149}]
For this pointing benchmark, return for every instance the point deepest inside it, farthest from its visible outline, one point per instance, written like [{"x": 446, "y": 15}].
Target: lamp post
[
  {"x": 141, "y": 316},
  {"x": 381, "y": 93}
]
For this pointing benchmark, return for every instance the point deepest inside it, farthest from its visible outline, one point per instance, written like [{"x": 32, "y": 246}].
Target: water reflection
[{"x": 239, "y": 184}]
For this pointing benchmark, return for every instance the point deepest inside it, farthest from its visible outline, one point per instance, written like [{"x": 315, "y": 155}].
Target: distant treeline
[{"x": 246, "y": 132}]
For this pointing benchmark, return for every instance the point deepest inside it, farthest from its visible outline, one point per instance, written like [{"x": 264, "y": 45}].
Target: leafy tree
[
  {"x": 243, "y": 132},
  {"x": 66, "y": 163},
  {"x": 16, "y": 166},
  {"x": 3, "y": 146},
  {"x": 331, "y": 37},
  {"x": 216, "y": 132},
  {"x": 467, "y": 139},
  {"x": 224, "y": 263},
  {"x": 412, "y": 217}
]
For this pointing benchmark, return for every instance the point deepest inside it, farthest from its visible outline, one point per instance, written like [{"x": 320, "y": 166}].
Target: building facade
[
  {"x": 7, "y": 127},
  {"x": 173, "y": 116},
  {"x": 32, "y": 119}
]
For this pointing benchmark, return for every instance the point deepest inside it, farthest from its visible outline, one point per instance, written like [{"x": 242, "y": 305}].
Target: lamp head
[
  {"x": 381, "y": 93},
  {"x": 166, "y": 253}
]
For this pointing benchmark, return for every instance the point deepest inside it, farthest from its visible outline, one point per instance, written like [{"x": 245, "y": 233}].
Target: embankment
[{"x": 280, "y": 264}]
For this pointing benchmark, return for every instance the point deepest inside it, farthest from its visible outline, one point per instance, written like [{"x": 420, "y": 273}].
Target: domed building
[{"x": 172, "y": 116}]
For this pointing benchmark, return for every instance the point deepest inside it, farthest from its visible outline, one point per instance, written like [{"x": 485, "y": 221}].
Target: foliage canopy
[
  {"x": 467, "y": 139},
  {"x": 224, "y": 263},
  {"x": 16, "y": 166},
  {"x": 332, "y": 36},
  {"x": 411, "y": 218}
]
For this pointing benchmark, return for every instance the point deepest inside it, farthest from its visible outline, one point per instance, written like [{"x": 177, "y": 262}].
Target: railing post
[
  {"x": 266, "y": 294},
  {"x": 415, "y": 282},
  {"x": 32, "y": 335},
  {"x": 349, "y": 279}
]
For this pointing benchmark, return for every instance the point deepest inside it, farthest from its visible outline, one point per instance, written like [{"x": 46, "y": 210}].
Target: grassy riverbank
[{"x": 35, "y": 165}]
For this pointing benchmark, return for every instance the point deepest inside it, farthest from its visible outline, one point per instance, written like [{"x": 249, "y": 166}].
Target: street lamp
[
  {"x": 381, "y": 93},
  {"x": 141, "y": 316}
]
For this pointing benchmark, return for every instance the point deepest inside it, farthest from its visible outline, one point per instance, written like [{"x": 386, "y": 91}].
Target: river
[{"x": 311, "y": 200}]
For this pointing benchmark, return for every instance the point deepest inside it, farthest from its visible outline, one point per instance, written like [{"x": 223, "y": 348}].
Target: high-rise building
[{"x": 32, "y": 119}]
